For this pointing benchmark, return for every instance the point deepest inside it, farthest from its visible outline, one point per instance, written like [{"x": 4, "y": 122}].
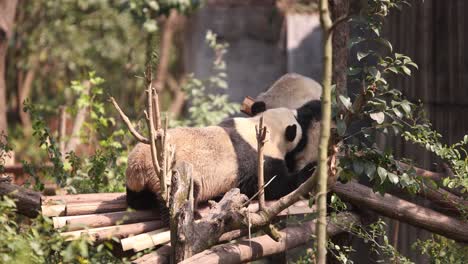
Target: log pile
[{"x": 105, "y": 216}]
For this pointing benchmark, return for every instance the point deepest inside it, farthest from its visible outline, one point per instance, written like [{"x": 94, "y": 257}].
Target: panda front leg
[{"x": 284, "y": 182}]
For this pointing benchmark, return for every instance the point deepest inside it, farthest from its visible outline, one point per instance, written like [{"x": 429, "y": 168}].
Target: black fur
[
  {"x": 146, "y": 200},
  {"x": 142, "y": 200},
  {"x": 284, "y": 183},
  {"x": 306, "y": 114},
  {"x": 291, "y": 132},
  {"x": 258, "y": 107}
]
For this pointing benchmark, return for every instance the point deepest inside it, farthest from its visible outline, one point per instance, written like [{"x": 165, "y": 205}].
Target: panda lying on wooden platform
[{"x": 224, "y": 157}]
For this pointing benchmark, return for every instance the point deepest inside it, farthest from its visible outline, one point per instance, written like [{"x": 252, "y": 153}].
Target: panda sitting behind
[
  {"x": 223, "y": 157},
  {"x": 295, "y": 91}
]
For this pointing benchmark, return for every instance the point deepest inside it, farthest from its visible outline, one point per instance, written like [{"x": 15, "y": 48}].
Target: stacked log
[{"x": 105, "y": 216}]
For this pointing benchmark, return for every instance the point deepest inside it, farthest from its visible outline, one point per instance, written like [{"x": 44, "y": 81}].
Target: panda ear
[
  {"x": 291, "y": 132},
  {"x": 258, "y": 107}
]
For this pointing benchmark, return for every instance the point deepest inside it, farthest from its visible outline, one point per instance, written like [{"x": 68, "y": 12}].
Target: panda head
[
  {"x": 284, "y": 128},
  {"x": 304, "y": 147}
]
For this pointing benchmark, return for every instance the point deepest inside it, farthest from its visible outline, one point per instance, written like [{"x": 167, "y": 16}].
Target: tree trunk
[
  {"x": 28, "y": 202},
  {"x": 339, "y": 10},
  {"x": 7, "y": 16},
  {"x": 248, "y": 250}
]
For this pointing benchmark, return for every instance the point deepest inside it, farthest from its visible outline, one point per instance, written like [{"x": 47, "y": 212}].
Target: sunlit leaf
[{"x": 379, "y": 117}]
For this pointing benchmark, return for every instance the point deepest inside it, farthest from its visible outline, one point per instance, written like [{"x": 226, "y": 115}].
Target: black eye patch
[
  {"x": 258, "y": 107},
  {"x": 291, "y": 132}
]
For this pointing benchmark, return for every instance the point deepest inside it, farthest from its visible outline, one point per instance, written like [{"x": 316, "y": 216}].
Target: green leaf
[
  {"x": 358, "y": 167},
  {"x": 379, "y": 117},
  {"x": 397, "y": 112},
  {"x": 369, "y": 169},
  {"x": 361, "y": 55},
  {"x": 412, "y": 64},
  {"x": 406, "y": 107},
  {"x": 392, "y": 177},
  {"x": 382, "y": 173},
  {"x": 406, "y": 70},
  {"x": 355, "y": 41},
  {"x": 375, "y": 73},
  {"x": 354, "y": 70},
  {"x": 393, "y": 69},
  {"x": 341, "y": 127},
  {"x": 386, "y": 43},
  {"x": 346, "y": 101}
]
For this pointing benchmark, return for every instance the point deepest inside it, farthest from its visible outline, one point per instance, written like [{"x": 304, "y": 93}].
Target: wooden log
[
  {"x": 108, "y": 219},
  {"x": 445, "y": 199},
  {"x": 181, "y": 208},
  {"x": 84, "y": 208},
  {"x": 83, "y": 198},
  {"x": 146, "y": 240},
  {"x": 61, "y": 221},
  {"x": 105, "y": 233},
  {"x": 259, "y": 247},
  {"x": 28, "y": 202},
  {"x": 246, "y": 106},
  {"x": 401, "y": 210},
  {"x": 160, "y": 256}
]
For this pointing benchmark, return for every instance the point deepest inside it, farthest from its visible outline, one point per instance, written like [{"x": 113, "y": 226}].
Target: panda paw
[{"x": 306, "y": 172}]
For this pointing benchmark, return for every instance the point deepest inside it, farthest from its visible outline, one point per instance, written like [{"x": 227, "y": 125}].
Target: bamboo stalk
[
  {"x": 109, "y": 219},
  {"x": 82, "y": 198},
  {"x": 83, "y": 208},
  {"x": 61, "y": 221},
  {"x": 146, "y": 240},
  {"x": 326, "y": 23},
  {"x": 105, "y": 233}
]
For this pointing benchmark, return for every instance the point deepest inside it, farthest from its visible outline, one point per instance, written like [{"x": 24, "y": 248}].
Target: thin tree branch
[
  {"x": 337, "y": 22},
  {"x": 62, "y": 130},
  {"x": 128, "y": 123},
  {"x": 261, "y": 132},
  {"x": 150, "y": 119}
]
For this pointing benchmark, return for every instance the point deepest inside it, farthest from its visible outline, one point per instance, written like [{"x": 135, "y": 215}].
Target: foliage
[
  {"x": 41, "y": 243},
  {"x": 146, "y": 11},
  {"x": 5, "y": 147},
  {"x": 387, "y": 111},
  {"x": 208, "y": 108},
  {"x": 103, "y": 170},
  {"x": 61, "y": 40},
  {"x": 442, "y": 250}
]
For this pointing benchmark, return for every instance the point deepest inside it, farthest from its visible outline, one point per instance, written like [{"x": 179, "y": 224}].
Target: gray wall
[{"x": 263, "y": 45}]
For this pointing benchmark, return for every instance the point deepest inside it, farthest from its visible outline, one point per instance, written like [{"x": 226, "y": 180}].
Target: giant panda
[
  {"x": 223, "y": 157},
  {"x": 295, "y": 91},
  {"x": 292, "y": 91}
]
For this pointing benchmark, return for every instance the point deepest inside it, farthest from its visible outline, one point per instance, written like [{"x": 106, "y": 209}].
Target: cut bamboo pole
[
  {"x": 84, "y": 208},
  {"x": 109, "y": 219},
  {"x": 121, "y": 231},
  {"x": 53, "y": 210},
  {"x": 61, "y": 221},
  {"x": 146, "y": 240},
  {"x": 83, "y": 198}
]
